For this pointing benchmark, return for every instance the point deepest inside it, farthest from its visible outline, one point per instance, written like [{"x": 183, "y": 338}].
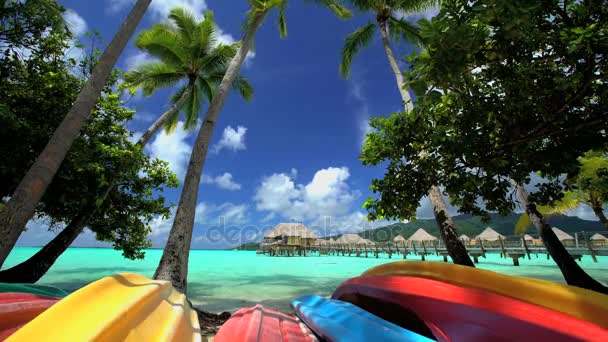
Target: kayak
[
  {"x": 339, "y": 321},
  {"x": 122, "y": 307},
  {"x": 576, "y": 302},
  {"x": 41, "y": 290},
  {"x": 458, "y": 313},
  {"x": 260, "y": 324},
  {"x": 17, "y": 309}
]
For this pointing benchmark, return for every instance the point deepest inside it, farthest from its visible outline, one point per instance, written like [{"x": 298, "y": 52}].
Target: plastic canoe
[
  {"x": 41, "y": 290},
  {"x": 17, "y": 309},
  {"x": 335, "y": 320},
  {"x": 260, "y": 324},
  {"x": 123, "y": 307},
  {"x": 582, "y": 304},
  {"x": 456, "y": 313}
]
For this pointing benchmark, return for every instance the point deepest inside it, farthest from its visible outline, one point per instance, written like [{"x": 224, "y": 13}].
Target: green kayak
[{"x": 41, "y": 290}]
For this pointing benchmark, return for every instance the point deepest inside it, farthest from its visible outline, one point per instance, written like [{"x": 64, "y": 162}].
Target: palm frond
[
  {"x": 218, "y": 58},
  {"x": 152, "y": 76},
  {"x": 336, "y": 7},
  {"x": 522, "y": 224},
  {"x": 185, "y": 22},
  {"x": 353, "y": 43},
  {"x": 282, "y": 20},
  {"x": 205, "y": 38},
  {"x": 403, "y": 30},
  {"x": 192, "y": 108},
  {"x": 171, "y": 123},
  {"x": 163, "y": 42},
  {"x": 242, "y": 85},
  {"x": 207, "y": 87},
  {"x": 409, "y": 6}
]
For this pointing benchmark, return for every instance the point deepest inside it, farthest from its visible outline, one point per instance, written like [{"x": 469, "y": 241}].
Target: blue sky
[{"x": 291, "y": 154}]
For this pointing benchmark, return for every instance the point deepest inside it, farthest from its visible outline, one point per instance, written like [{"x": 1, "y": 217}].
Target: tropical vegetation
[{"x": 508, "y": 112}]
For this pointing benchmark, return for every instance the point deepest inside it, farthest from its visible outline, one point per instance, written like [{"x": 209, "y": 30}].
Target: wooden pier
[{"x": 510, "y": 247}]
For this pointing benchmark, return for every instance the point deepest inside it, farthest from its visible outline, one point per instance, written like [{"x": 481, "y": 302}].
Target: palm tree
[
  {"x": 572, "y": 272},
  {"x": 22, "y": 205},
  {"x": 392, "y": 26},
  {"x": 173, "y": 264},
  {"x": 186, "y": 51}
]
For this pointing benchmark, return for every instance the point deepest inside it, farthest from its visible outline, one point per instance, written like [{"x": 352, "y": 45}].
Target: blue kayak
[{"x": 335, "y": 320}]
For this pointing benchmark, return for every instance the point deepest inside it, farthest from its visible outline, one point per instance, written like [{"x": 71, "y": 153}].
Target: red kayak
[
  {"x": 260, "y": 324},
  {"x": 454, "y": 313},
  {"x": 17, "y": 309}
]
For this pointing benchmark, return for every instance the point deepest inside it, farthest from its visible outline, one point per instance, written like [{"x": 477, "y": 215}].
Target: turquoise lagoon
[{"x": 228, "y": 280}]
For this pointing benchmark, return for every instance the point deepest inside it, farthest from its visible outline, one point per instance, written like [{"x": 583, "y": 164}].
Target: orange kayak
[{"x": 17, "y": 309}]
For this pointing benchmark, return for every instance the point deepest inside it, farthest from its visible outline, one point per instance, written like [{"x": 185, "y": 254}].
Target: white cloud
[
  {"x": 327, "y": 194},
  {"x": 140, "y": 57},
  {"x": 224, "y": 181},
  {"x": 414, "y": 17},
  {"x": 76, "y": 24},
  {"x": 356, "y": 94},
  {"x": 172, "y": 148},
  {"x": 227, "y": 213},
  {"x": 232, "y": 139}
]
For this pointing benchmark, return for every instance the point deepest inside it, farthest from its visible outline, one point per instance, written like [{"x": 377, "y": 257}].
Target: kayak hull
[
  {"x": 257, "y": 323},
  {"x": 17, "y": 309},
  {"x": 456, "y": 313}
]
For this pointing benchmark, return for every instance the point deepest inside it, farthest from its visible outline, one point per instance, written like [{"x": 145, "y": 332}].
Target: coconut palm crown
[
  {"x": 389, "y": 18},
  {"x": 187, "y": 52}
]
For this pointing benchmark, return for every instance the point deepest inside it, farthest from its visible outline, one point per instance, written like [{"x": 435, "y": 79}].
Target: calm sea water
[{"x": 228, "y": 280}]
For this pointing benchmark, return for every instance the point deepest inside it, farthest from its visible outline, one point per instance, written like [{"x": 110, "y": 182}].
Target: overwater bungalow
[
  {"x": 422, "y": 235},
  {"x": 564, "y": 237},
  {"x": 598, "y": 240},
  {"x": 399, "y": 239},
  {"x": 489, "y": 234},
  {"x": 350, "y": 239},
  {"x": 465, "y": 239},
  {"x": 289, "y": 238}
]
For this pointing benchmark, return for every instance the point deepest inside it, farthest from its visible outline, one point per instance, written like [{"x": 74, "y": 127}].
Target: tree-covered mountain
[{"x": 471, "y": 226}]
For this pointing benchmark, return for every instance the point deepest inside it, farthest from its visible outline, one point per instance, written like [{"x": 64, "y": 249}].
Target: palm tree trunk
[
  {"x": 31, "y": 270},
  {"x": 22, "y": 204},
  {"x": 405, "y": 95},
  {"x": 173, "y": 265},
  {"x": 599, "y": 212},
  {"x": 572, "y": 272},
  {"x": 162, "y": 120},
  {"x": 447, "y": 229}
]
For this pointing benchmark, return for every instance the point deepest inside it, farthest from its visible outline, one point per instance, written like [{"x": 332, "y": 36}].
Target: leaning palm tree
[
  {"x": 391, "y": 24},
  {"x": 173, "y": 264},
  {"x": 186, "y": 51},
  {"x": 22, "y": 204}
]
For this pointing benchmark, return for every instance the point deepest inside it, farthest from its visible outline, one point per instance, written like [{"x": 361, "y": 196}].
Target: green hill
[{"x": 471, "y": 226}]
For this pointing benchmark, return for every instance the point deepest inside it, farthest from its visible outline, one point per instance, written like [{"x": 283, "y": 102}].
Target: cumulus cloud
[
  {"x": 172, "y": 148},
  {"x": 428, "y": 14},
  {"x": 327, "y": 194},
  {"x": 76, "y": 24},
  {"x": 232, "y": 139},
  {"x": 136, "y": 59},
  {"x": 224, "y": 181}
]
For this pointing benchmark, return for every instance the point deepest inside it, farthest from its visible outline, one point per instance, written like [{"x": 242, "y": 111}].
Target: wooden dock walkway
[{"x": 513, "y": 247}]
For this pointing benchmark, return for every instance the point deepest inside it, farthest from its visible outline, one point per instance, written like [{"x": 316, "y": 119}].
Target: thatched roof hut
[
  {"x": 490, "y": 234},
  {"x": 368, "y": 242},
  {"x": 421, "y": 235},
  {"x": 598, "y": 237},
  {"x": 290, "y": 229},
  {"x": 350, "y": 239},
  {"x": 562, "y": 235},
  {"x": 463, "y": 237},
  {"x": 399, "y": 238},
  {"x": 528, "y": 237}
]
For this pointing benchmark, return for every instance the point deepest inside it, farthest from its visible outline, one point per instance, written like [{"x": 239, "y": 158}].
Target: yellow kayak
[
  {"x": 583, "y": 304},
  {"x": 123, "y": 307}
]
